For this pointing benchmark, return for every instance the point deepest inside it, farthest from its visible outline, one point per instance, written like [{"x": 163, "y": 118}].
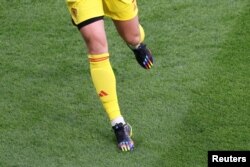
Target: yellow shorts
[{"x": 82, "y": 10}]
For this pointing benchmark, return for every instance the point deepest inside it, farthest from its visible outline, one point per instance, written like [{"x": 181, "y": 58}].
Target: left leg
[
  {"x": 129, "y": 31},
  {"x": 133, "y": 34},
  {"x": 124, "y": 14}
]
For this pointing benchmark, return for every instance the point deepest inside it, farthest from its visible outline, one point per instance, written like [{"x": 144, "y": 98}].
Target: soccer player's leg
[
  {"x": 105, "y": 83},
  {"x": 133, "y": 34},
  {"x": 87, "y": 15},
  {"x": 125, "y": 18}
]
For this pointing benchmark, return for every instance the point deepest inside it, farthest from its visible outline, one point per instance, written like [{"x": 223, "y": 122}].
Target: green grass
[{"x": 195, "y": 99}]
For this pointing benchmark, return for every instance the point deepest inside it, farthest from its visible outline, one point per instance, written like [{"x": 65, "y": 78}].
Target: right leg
[
  {"x": 104, "y": 81},
  {"x": 88, "y": 17},
  {"x": 100, "y": 68}
]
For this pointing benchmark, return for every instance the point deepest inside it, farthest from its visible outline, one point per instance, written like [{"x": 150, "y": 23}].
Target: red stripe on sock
[{"x": 98, "y": 59}]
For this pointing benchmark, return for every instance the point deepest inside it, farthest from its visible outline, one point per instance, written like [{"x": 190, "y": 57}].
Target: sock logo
[{"x": 103, "y": 93}]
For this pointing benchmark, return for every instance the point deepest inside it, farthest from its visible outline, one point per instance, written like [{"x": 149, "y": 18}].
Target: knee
[{"x": 96, "y": 45}]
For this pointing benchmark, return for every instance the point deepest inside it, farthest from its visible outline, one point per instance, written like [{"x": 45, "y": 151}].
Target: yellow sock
[
  {"x": 105, "y": 83},
  {"x": 142, "y": 33}
]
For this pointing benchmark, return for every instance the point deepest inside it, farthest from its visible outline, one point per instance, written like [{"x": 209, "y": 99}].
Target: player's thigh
[
  {"x": 82, "y": 10},
  {"x": 120, "y": 9}
]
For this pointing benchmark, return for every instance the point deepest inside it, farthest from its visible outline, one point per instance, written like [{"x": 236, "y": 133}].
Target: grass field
[{"x": 195, "y": 99}]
